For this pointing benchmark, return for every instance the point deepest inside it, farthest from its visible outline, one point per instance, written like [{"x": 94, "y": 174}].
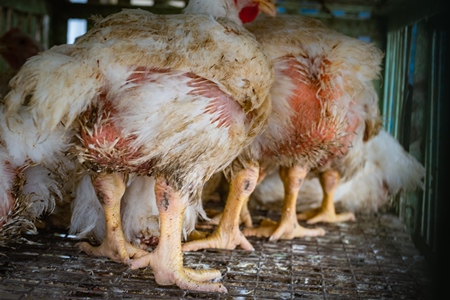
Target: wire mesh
[{"x": 372, "y": 258}]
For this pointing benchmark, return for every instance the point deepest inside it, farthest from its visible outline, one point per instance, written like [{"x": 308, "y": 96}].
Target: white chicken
[
  {"x": 321, "y": 98},
  {"x": 28, "y": 192},
  {"x": 172, "y": 96},
  {"x": 27, "y": 195}
]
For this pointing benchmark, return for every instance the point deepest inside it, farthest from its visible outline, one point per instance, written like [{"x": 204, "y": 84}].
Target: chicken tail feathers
[
  {"x": 388, "y": 170},
  {"x": 401, "y": 170},
  {"x": 53, "y": 87},
  {"x": 24, "y": 197},
  {"x": 87, "y": 217}
]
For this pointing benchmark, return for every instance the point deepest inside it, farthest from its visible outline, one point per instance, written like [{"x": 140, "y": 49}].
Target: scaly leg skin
[
  {"x": 227, "y": 235},
  {"x": 329, "y": 181},
  {"x": 288, "y": 227},
  {"x": 109, "y": 189},
  {"x": 245, "y": 216},
  {"x": 167, "y": 259}
]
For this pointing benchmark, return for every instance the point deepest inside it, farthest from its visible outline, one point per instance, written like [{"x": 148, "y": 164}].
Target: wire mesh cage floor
[{"x": 372, "y": 258}]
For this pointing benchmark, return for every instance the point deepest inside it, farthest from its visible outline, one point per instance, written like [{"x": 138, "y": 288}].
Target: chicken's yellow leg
[
  {"x": 167, "y": 259},
  {"x": 244, "y": 217},
  {"x": 227, "y": 235},
  {"x": 287, "y": 227},
  {"x": 109, "y": 189},
  {"x": 329, "y": 181}
]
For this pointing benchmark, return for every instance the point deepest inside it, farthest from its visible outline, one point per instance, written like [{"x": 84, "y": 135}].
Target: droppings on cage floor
[{"x": 371, "y": 258}]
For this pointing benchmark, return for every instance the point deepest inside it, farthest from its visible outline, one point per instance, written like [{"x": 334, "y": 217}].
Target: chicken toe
[
  {"x": 116, "y": 249},
  {"x": 285, "y": 230},
  {"x": 168, "y": 269},
  {"x": 288, "y": 226},
  {"x": 228, "y": 238},
  {"x": 320, "y": 215}
]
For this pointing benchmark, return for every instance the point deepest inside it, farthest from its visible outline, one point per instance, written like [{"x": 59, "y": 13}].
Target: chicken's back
[
  {"x": 184, "y": 76},
  {"x": 320, "y": 94},
  {"x": 215, "y": 49}
]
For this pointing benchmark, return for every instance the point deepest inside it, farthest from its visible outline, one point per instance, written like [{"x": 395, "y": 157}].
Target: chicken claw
[
  {"x": 167, "y": 259},
  {"x": 110, "y": 189},
  {"x": 169, "y": 271},
  {"x": 329, "y": 181}
]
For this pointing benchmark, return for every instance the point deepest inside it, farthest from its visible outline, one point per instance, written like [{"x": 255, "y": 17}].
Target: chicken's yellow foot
[
  {"x": 167, "y": 259},
  {"x": 228, "y": 238},
  {"x": 319, "y": 215},
  {"x": 116, "y": 249},
  {"x": 288, "y": 226},
  {"x": 227, "y": 235},
  {"x": 329, "y": 181},
  {"x": 284, "y": 230},
  {"x": 109, "y": 189}
]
